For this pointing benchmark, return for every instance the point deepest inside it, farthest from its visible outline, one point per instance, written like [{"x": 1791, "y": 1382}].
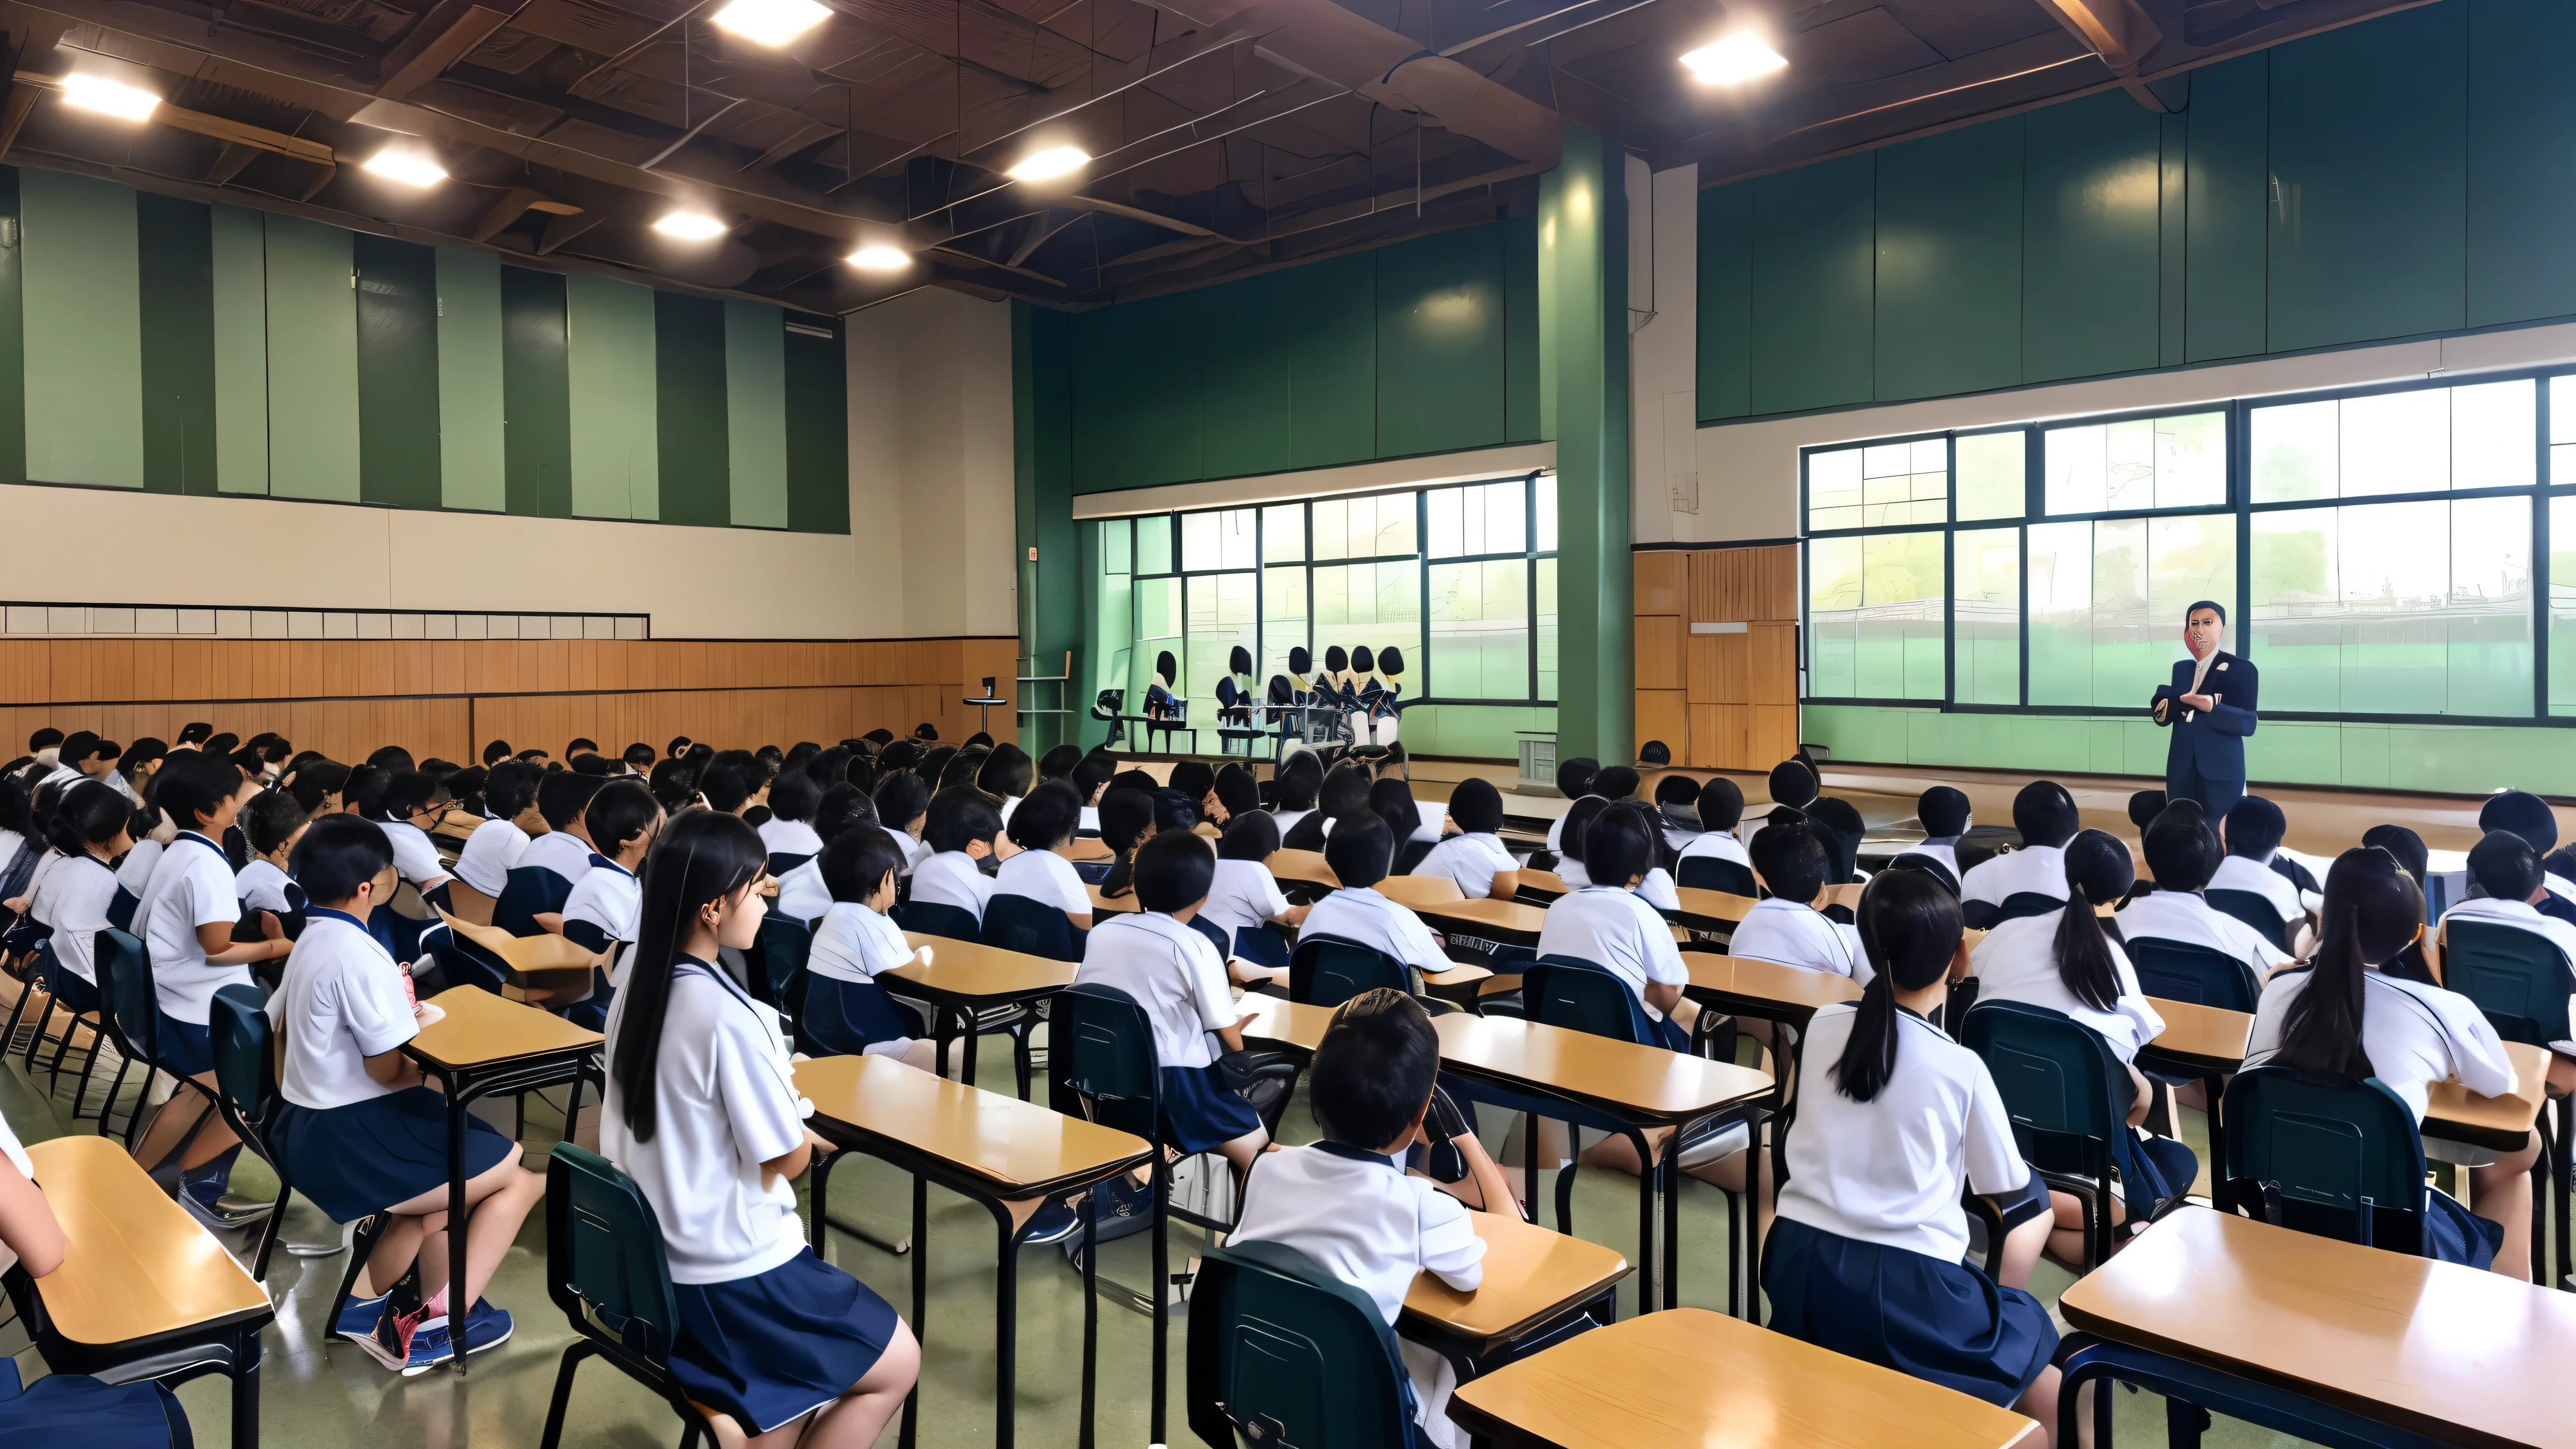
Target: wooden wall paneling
[
  {"x": 1664, "y": 714},
  {"x": 1662, "y": 581},
  {"x": 152, "y": 668},
  {"x": 1771, "y": 676},
  {"x": 1717, "y": 736},
  {"x": 1659, "y": 653},
  {"x": 375, "y": 662},
  {"x": 1775, "y": 734},
  {"x": 68, "y": 679}
]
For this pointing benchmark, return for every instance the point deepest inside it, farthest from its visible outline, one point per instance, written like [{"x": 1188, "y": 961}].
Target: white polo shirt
[
  {"x": 2414, "y": 1036},
  {"x": 415, "y": 859},
  {"x": 789, "y": 837},
  {"x": 802, "y": 896},
  {"x": 77, "y": 893},
  {"x": 1472, "y": 860},
  {"x": 1243, "y": 895},
  {"x": 2032, "y": 870},
  {"x": 191, "y": 887},
  {"x": 1172, "y": 971},
  {"x": 340, "y": 1002},
  {"x": 1372, "y": 920},
  {"x": 607, "y": 899},
  {"x": 1657, "y": 887},
  {"x": 1721, "y": 844},
  {"x": 2188, "y": 917},
  {"x": 1363, "y": 1219},
  {"x": 950, "y": 878},
  {"x": 2244, "y": 873},
  {"x": 854, "y": 943},
  {"x": 134, "y": 872},
  {"x": 726, "y": 1102},
  {"x": 261, "y": 886},
  {"x": 915, "y": 851},
  {"x": 2017, "y": 961},
  {"x": 559, "y": 851},
  {"x": 489, "y": 854},
  {"x": 1617, "y": 931},
  {"x": 1042, "y": 876},
  {"x": 1889, "y": 1170},
  {"x": 1786, "y": 933}
]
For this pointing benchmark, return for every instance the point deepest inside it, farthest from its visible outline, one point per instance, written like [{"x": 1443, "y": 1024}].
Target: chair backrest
[
  {"x": 2057, "y": 1080},
  {"x": 1031, "y": 927},
  {"x": 2517, "y": 977},
  {"x": 125, "y": 994},
  {"x": 780, "y": 951},
  {"x": 2027, "y": 903},
  {"x": 935, "y": 918},
  {"x": 1581, "y": 995},
  {"x": 245, "y": 1068},
  {"x": 1283, "y": 1353},
  {"x": 2253, "y": 909},
  {"x": 1327, "y": 971},
  {"x": 2325, "y": 1155},
  {"x": 1100, "y": 1050},
  {"x": 605, "y": 1267},
  {"x": 2202, "y": 975}
]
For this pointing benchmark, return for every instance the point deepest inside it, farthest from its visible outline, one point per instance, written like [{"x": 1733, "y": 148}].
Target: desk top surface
[
  {"x": 1017, "y": 1148},
  {"x": 1647, "y": 1082},
  {"x": 1306, "y": 867},
  {"x": 1489, "y": 914},
  {"x": 1530, "y": 1274},
  {"x": 1686, "y": 1378},
  {"x": 2452, "y": 1352},
  {"x": 973, "y": 969},
  {"x": 1699, "y": 903},
  {"x": 136, "y": 1265},
  {"x": 2455, "y": 1108},
  {"x": 1421, "y": 891},
  {"x": 539, "y": 955},
  {"x": 2211, "y": 1033},
  {"x": 482, "y": 1029},
  {"x": 1786, "y": 986},
  {"x": 1103, "y": 905}
]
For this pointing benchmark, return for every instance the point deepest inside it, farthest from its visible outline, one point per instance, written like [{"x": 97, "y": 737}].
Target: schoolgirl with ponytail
[
  {"x": 1867, "y": 1251},
  {"x": 2342, "y": 1016},
  {"x": 702, "y": 1111},
  {"x": 87, "y": 831}
]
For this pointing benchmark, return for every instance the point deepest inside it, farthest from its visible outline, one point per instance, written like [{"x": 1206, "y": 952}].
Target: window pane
[
  {"x": 1833, "y": 490},
  {"x": 1216, "y": 540},
  {"x": 1364, "y": 527},
  {"x": 1874, "y": 612},
  {"x": 2399, "y": 608},
  {"x": 1372, "y": 604},
  {"x": 2491, "y": 428},
  {"x": 2398, "y": 442},
  {"x": 2107, "y": 600},
  {"x": 1985, "y": 602},
  {"x": 1154, "y": 544},
  {"x": 2423, "y": 441},
  {"x": 2562, "y": 592},
  {"x": 1117, "y": 537},
  {"x": 1990, "y": 474},
  {"x": 1498, "y": 518},
  {"x": 1480, "y": 630},
  {"x": 1878, "y": 485},
  {"x": 1283, "y": 619},
  {"x": 1546, "y": 626},
  {"x": 1283, "y": 533},
  {"x": 1445, "y": 509},
  {"x": 1220, "y": 621},
  {"x": 1158, "y": 629},
  {"x": 2297, "y": 452},
  {"x": 2562, "y": 440},
  {"x": 1547, "y": 515},
  {"x": 2177, "y": 462}
]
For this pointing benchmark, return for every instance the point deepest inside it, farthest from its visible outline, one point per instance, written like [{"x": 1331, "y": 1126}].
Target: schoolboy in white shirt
[
  {"x": 603, "y": 908},
  {"x": 2183, "y": 854},
  {"x": 903, "y": 811},
  {"x": 1721, "y": 812},
  {"x": 1608, "y": 924},
  {"x": 1042, "y": 870},
  {"x": 543, "y": 878},
  {"x": 789, "y": 831},
  {"x": 847, "y": 1013},
  {"x": 2046, "y": 817},
  {"x": 499, "y": 843},
  {"x": 2510, "y": 878},
  {"x": 1359, "y": 853},
  {"x": 412, "y": 802},
  {"x": 803, "y": 894},
  {"x": 1785, "y": 927},
  {"x": 2254, "y": 830},
  {"x": 959, "y": 829},
  {"x": 272, "y": 822},
  {"x": 1475, "y": 857},
  {"x": 1245, "y": 898}
]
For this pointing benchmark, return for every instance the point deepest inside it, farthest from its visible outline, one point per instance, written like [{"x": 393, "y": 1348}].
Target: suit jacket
[{"x": 2212, "y": 740}]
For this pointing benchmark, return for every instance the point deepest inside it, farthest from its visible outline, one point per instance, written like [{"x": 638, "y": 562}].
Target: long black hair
[
  {"x": 2097, "y": 872},
  {"x": 89, "y": 813},
  {"x": 2373, "y": 910},
  {"x": 701, "y": 856},
  {"x": 1909, "y": 926}
]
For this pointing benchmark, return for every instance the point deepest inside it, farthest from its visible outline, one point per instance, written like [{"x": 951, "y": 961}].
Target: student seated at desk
[
  {"x": 87, "y": 831},
  {"x": 533, "y": 899},
  {"x": 1358, "y": 854},
  {"x": 2066, "y": 963},
  {"x": 1237, "y": 794},
  {"x": 1174, "y": 973},
  {"x": 1608, "y": 923},
  {"x": 2509, "y": 893},
  {"x": 2408, "y": 849},
  {"x": 2045, "y": 815},
  {"x": 358, "y": 1132},
  {"x": 1574, "y": 868},
  {"x": 510, "y": 798},
  {"x": 2183, "y": 854},
  {"x": 903, "y": 812},
  {"x": 1677, "y": 808},
  {"x": 1415, "y": 830},
  {"x": 789, "y": 831},
  {"x": 273, "y": 822},
  {"x": 2254, "y": 827},
  {"x": 1126, "y": 823},
  {"x": 1943, "y": 813},
  {"x": 802, "y": 893},
  {"x": 1721, "y": 810},
  {"x": 1343, "y": 792},
  {"x": 1042, "y": 870},
  {"x": 410, "y": 804},
  {"x": 2342, "y": 1015},
  {"x": 1059, "y": 763},
  {"x": 320, "y": 786},
  {"x": 1090, "y": 781},
  {"x": 1299, "y": 782},
  {"x": 702, "y": 1112},
  {"x": 1196, "y": 780},
  {"x": 1867, "y": 1255},
  {"x": 1006, "y": 776},
  {"x": 1785, "y": 927},
  {"x": 1244, "y": 898},
  {"x": 2530, "y": 817},
  {"x": 1475, "y": 857},
  {"x": 960, "y": 827},
  {"x": 846, "y": 1012},
  {"x": 624, "y": 819},
  {"x": 1347, "y": 1202}
]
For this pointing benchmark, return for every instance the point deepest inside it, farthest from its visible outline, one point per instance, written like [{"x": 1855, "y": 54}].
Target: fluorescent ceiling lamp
[
  {"x": 690, "y": 226},
  {"x": 109, "y": 98},
  {"x": 408, "y": 167},
  {"x": 880, "y": 258},
  {"x": 770, "y": 22},
  {"x": 1736, "y": 59},
  {"x": 1050, "y": 163}
]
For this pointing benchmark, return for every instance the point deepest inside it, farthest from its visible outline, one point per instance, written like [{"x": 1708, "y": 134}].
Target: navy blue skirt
[
  {"x": 366, "y": 1156},
  {"x": 1944, "y": 1323},
  {"x": 2453, "y": 1234},
  {"x": 1199, "y": 1115},
  {"x": 185, "y": 1047},
  {"x": 772, "y": 1347},
  {"x": 2161, "y": 1167},
  {"x": 75, "y": 994},
  {"x": 844, "y": 1018}
]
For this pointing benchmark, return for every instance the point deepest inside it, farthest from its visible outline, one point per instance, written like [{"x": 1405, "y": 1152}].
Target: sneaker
[
  {"x": 358, "y": 1316},
  {"x": 1125, "y": 1207},
  {"x": 486, "y": 1327},
  {"x": 406, "y": 1343},
  {"x": 1053, "y": 1222}
]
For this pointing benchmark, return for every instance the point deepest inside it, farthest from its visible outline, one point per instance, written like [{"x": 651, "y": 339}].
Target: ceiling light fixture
[
  {"x": 1050, "y": 163},
  {"x": 1733, "y": 61},
  {"x": 770, "y": 22},
  {"x": 109, "y": 98},
  {"x": 408, "y": 167},
  {"x": 693, "y": 226},
  {"x": 878, "y": 257}
]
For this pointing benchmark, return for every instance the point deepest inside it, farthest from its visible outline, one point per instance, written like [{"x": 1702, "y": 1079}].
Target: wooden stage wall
[
  {"x": 447, "y": 697},
  {"x": 1723, "y": 701}
]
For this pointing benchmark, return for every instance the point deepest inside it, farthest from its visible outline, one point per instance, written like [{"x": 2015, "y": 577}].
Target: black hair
[
  {"x": 674, "y": 784},
  {"x": 902, "y": 799},
  {"x": 2182, "y": 851},
  {"x": 855, "y": 862},
  {"x": 1058, "y": 763},
  {"x": 965, "y": 769},
  {"x": 1574, "y": 776},
  {"x": 1359, "y": 850},
  {"x": 1252, "y": 835},
  {"x": 960, "y": 816},
  {"x": 465, "y": 786},
  {"x": 1839, "y": 822},
  {"x": 315, "y": 780},
  {"x": 1909, "y": 929},
  {"x": 1046, "y": 817},
  {"x": 1174, "y": 871},
  {"x": 589, "y": 763},
  {"x": 77, "y": 746},
  {"x": 89, "y": 813},
  {"x": 579, "y": 744},
  {"x": 2505, "y": 866},
  {"x": 2097, "y": 873},
  {"x": 1374, "y": 1069},
  {"x": 639, "y": 757},
  {"x": 13, "y": 806},
  {"x": 705, "y": 855},
  {"x": 197, "y": 784},
  {"x": 1791, "y": 860},
  {"x": 2523, "y": 813},
  {"x": 1298, "y": 783},
  {"x": 563, "y": 795},
  {"x": 1655, "y": 754},
  {"x": 1621, "y": 845},
  {"x": 2254, "y": 827},
  {"x": 510, "y": 788},
  {"x": 392, "y": 757},
  {"x": 365, "y": 787},
  {"x": 2372, "y": 912},
  {"x": 338, "y": 855},
  {"x": 1134, "y": 780},
  {"x": 1792, "y": 784},
  {"x": 933, "y": 765},
  {"x": 270, "y": 820},
  {"x": 139, "y": 754},
  {"x": 1194, "y": 778},
  {"x": 2404, "y": 844},
  {"x": 1942, "y": 812},
  {"x": 247, "y": 758},
  {"x": 1618, "y": 782},
  {"x": 793, "y": 796},
  {"x": 406, "y": 793},
  {"x": 194, "y": 732},
  {"x": 725, "y": 788},
  {"x": 495, "y": 752},
  {"x": 1578, "y": 823},
  {"x": 1007, "y": 771},
  {"x": 620, "y": 811},
  {"x": 1392, "y": 801},
  {"x": 1477, "y": 806},
  {"x": 678, "y": 744},
  {"x": 221, "y": 744},
  {"x": 1679, "y": 790},
  {"x": 1344, "y": 791},
  {"x": 2212, "y": 605},
  {"x": 1125, "y": 816},
  {"x": 534, "y": 753},
  {"x": 1721, "y": 804},
  {"x": 1093, "y": 771},
  {"x": 844, "y": 808},
  {"x": 2045, "y": 814},
  {"x": 1237, "y": 791},
  {"x": 2145, "y": 806},
  {"x": 1174, "y": 811}
]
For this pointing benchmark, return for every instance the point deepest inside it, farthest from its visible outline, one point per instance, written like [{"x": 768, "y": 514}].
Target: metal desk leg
[
  {"x": 1161, "y": 1189},
  {"x": 2214, "y": 1090},
  {"x": 1090, "y": 1310},
  {"x": 1672, "y": 1171},
  {"x": 457, "y": 1303},
  {"x": 816, "y": 1197},
  {"x": 1006, "y": 1333},
  {"x": 245, "y": 1377},
  {"x": 920, "y": 1299},
  {"x": 1646, "y": 1170},
  {"x": 1753, "y": 1221},
  {"x": 2558, "y": 1189}
]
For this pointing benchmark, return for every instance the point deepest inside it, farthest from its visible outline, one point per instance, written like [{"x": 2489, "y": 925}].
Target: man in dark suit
[{"x": 2210, "y": 709}]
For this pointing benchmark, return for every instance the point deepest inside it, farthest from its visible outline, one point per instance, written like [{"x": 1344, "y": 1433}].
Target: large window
[
  {"x": 1459, "y": 580},
  {"x": 2401, "y": 552}
]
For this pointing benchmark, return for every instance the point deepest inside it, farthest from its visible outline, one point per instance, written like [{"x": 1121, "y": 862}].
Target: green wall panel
[
  {"x": 13, "y": 331},
  {"x": 238, "y": 251},
  {"x": 1328, "y": 324},
  {"x": 2369, "y": 137},
  {"x": 608, "y": 374},
  {"x": 1136, "y": 377},
  {"x": 689, "y": 381},
  {"x": 2227, "y": 200},
  {"x": 175, "y": 252},
  {"x": 83, "y": 317},
  {"x": 1053, "y": 581},
  {"x": 472, "y": 451},
  {"x": 398, "y": 373},
  {"x": 312, "y": 361},
  {"x": 2091, "y": 215},
  {"x": 818, "y": 427},
  {"x": 756, "y": 413},
  {"x": 1583, "y": 398},
  {"x": 536, "y": 393},
  {"x": 1813, "y": 285},
  {"x": 1520, "y": 325},
  {"x": 1949, "y": 262},
  {"x": 1245, "y": 377},
  {"x": 1440, "y": 346},
  {"x": 1725, "y": 302},
  {"x": 2173, "y": 279},
  {"x": 2522, "y": 161}
]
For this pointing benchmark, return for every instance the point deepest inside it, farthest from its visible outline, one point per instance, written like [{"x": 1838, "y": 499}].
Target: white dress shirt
[
  {"x": 1788, "y": 934},
  {"x": 1172, "y": 971},
  {"x": 1616, "y": 930},
  {"x": 2017, "y": 961}
]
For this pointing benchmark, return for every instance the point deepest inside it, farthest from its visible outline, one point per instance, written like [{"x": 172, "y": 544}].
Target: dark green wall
[
  {"x": 2410, "y": 175},
  {"x": 818, "y": 427},
  {"x": 689, "y": 386},
  {"x": 174, "y": 257},
  {"x": 1428, "y": 346},
  {"x": 536, "y": 393},
  {"x": 397, "y": 371}
]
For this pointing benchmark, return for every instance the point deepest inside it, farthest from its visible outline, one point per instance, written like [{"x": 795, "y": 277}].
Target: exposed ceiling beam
[
  {"x": 514, "y": 203},
  {"x": 2119, "y": 31},
  {"x": 221, "y": 128},
  {"x": 444, "y": 36}
]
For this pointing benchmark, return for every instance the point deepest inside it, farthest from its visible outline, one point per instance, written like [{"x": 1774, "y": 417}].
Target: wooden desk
[
  {"x": 1275, "y": 1021},
  {"x": 1709, "y": 910},
  {"x": 1479, "y": 927},
  {"x": 1847, "y": 896},
  {"x": 541, "y": 961},
  {"x": 994, "y": 1149},
  {"x": 2223, "y": 1305},
  {"x": 965, "y": 977},
  {"x": 1689, "y": 1378},
  {"x": 1421, "y": 891},
  {"x": 1304, "y": 868},
  {"x": 2502, "y": 1124},
  {"x": 486, "y": 1046},
  {"x": 1538, "y": 887},
  {"x": 2206, "y": 1040},
  {"x": 1107, "y": 905},
  {"x": 1765, "y": 990},
  {"x": 140, "y": 1281},
  {"x": 1091, "y": 847},
  {"x": 1532, "y": 1276}
]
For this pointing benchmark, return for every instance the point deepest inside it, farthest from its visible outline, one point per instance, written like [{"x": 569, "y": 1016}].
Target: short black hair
[
  {"x": 1477, "y": 806},
  {"x": 2182, "y": 851},
  {"x": 1252, "y": 835},
  {"x": 1007, "y": 771},
  {"x": 1046, "y": 817},
  {"x": 78, "y": 746},
  {"x": 338, "y": 855},
  {"x": 2255, "y": 827},
  {"x": 589, "y": 763},
  {"x": 495, "y": 752},
  {"x": 1359, "y": 850},
  {"x": 1574, "y": 776},
  {"x": 2523, "y": 813},
  {"x": 563, "y": 795},
  {"x": 2145, "y": 806},
  {"x": 510, "y": 787},
  {"x": 1299, "y": 780},
  {"x": 960, "y": 816},
  {"x": 855, "y": 862},
  {"x": 1791, "y": 860},
  {"x": 1721, "y": 804},
  {"x": 407, "y": 792},
  {"x": 902, "y": 799},
  {"x": 844, "y": 808},
  {"x": 1173, "y": 871},
  {"x": 580, "y": 743},
  {"x": 1194, "y": 778},
  {"x": 1125, "y": 816},
  {"x": 1792, "y": 784},
  {"x": 196, "y": 784},
  {"x": 1093, "y": 771},
  {"x": 622, "y": 810},
  {"x": 194, "y": 732},
  {"x": 2045, "y": 814},
  {"x": 392, "y": 757},
  {"x": 2212, "y": 605},
  {"x": 1374, "y": 1069},
  {"x": 314, "y": 780},
  {"x": 1676, "y": 790},
  {"x": 270, "y": 820},
  {"x": 1058, "y": 763},
  {"x": 2505, "y": 866},
  {"x": 639, "y": 757},
  {"x": 1237, "y": 791},
  {"x": 1618, "y": 782},
  {"x": 365, "y": 786},
  {"x": 1942, "y": 811},
  {"x": 2406, "y": 846},
  {"x": 725, "y": 787},
  {"x": 793, "y": 796},
  {"x": 1622, "y": 844}
]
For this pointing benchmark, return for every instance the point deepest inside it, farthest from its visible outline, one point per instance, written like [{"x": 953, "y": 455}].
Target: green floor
[{"x": 335, "y": 1397}]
